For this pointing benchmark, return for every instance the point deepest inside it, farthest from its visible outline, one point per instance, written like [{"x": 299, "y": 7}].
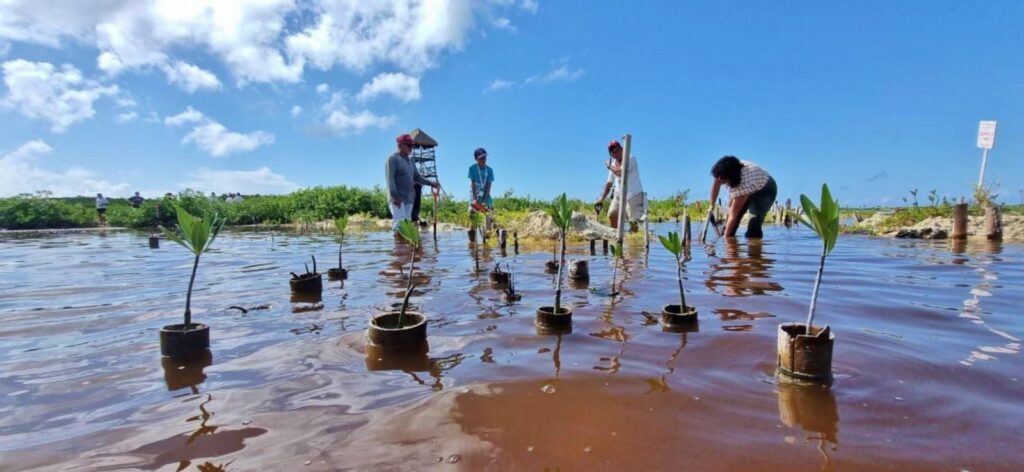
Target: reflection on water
[
  {"x": 82, "y": 386},
  {"x": 740, "y": 275},
  {"x": 813, "y": 409}
]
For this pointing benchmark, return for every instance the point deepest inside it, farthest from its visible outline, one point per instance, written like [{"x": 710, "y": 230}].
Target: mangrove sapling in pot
[
  {"x": 549, "y": 316},
  {"x": 309, "y": 282},
  {"x": 187, "y": 340},
  {"x": 498, "y": 277},
  {"x": 510, "y": 292},
  {"x": 340, "y": 273},
  {"x": 804, "y": 350},
  {"x": 681, "y": 313},
  {"x": 403, "y": 329},
  {"x": 616, "y": 257}
]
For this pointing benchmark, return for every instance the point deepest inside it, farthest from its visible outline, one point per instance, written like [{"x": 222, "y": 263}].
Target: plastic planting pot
[
  {"x": 547, "y": 318},
  {"x": 154, "y": 242},
  {"x": 384, "y": 334},
  {"x": 307, "y": 283},
  {"x": 179, "y": 342},
  {"x": 579, "y": 271},
  {"x": 805, "y": 357},
  {"x": 501, "y": 278},
  {"x": 413, "y": 359},
  {"x": 671, "y": 315},
  {"x": 337, "y": 274},
  {"x": 183, "y": 373}
]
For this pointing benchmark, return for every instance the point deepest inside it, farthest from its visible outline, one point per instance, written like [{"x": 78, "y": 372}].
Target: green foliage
[
  {"x": 824, "y": 220},
  {"x": 672, "y": 243},
  {"x": 476, "y": 220},
  {"x": 616, "y": 251},
  {"x": 561, "y": 214},
  {"x": 407, "y": 229},
  {"x": 341, "y": 224},
  {"x": 194, "y": 234}
]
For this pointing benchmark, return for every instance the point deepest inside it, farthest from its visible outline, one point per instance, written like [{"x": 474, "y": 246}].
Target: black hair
[{"x": 728, "y": 168}]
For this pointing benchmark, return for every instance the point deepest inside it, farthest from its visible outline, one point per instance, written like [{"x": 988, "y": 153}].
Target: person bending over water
[{"x": 751, "y": 189}]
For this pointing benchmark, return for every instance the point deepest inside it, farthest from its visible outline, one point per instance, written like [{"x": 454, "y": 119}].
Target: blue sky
[{"x": 874, "y": 98}]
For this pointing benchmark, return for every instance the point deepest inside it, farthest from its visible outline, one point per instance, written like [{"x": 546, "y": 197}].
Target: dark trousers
[
  {"x": 416, "y": 203},
  {"x": 758, "y": 204}
]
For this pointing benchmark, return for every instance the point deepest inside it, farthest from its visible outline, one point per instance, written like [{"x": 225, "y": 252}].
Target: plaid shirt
[{"x": 752, "y": 179}]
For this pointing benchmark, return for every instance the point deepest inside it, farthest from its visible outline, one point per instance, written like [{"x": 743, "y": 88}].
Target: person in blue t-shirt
[{"x": 480, "y": 178}]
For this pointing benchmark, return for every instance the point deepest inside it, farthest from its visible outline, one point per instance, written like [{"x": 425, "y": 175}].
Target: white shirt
[
  {"x": 101, "y": 202},
  {"x": 633, "y": 179}
]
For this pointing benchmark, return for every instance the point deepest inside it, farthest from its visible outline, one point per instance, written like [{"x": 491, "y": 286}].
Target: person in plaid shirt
[{"x": 751, "y": 189}]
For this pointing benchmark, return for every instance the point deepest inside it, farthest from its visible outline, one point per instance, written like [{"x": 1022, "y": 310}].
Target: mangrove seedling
[
  {"x": 408, "y": 231},
  {"x": 675, "y": 245},
  {"x": 196, "y": 235},
  {"x": 616, "y": 255},
  {"x": 561, "y": 215},
  {"x": 340, "y": 225},
  {"x": 510, "y": 292},
  {"x": 824, "y": 221}
]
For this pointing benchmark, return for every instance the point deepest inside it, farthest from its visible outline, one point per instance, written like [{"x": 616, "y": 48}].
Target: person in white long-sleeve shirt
[
  {"x": 636, "y": 201},
  {"x": 101, "y": 208}
]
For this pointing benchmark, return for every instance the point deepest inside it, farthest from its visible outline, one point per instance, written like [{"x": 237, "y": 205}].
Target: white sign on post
[{"x": 986, "y": 134}]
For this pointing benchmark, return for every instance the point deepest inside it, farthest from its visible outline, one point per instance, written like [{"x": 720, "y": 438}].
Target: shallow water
[{"x": 927, "y": 359}]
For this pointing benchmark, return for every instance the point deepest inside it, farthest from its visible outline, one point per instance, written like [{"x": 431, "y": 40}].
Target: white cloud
[
  {"x": 296, "y": 111},
  {"x": 190, "y": 78},
  {"x": 20, "y": 173},
  {"x": 503, "y": 24},
  {"x": 257, "y": 41},
  {"x": 499, "y": 84},
  {"x": 323, "y": 88},
  {"x": 340, "y": 120},
  {"x": 218, "y": 141},
  {"x": 261, "y": 181},
  {"x": 152, "y": 118},
  {"x": 403, "y": 87},
  {"x": 215, "y": 138},
  {"x": 561, "y": 73},
  {"x": 126, "y": 102},
  {"x": 62, "y": 97},
  {"x": 190, "y": 115},
  {"x": 530, "y": 5},
  {"x": 126, "y": 117}
]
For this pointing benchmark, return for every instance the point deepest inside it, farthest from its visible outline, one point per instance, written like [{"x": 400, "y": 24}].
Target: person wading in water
[{"x": 751, "y": 189}]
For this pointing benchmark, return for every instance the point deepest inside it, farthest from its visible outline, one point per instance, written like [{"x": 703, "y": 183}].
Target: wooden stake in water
[
  {"x": 627, "y": 142},
  {"x": 960, "y": 221}
]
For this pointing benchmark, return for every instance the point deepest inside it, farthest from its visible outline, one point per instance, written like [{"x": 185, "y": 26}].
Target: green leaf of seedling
[
  {"x": 409, "y": 232},
  {"x": 823, "y": 220},
  {"x": 475, "y": 219},
  {"x": 672, "y": 243},
  {"x": 173, "y": 236},
  {"x": 616, "y": 251},
  {"x": 341, "y": 224}
]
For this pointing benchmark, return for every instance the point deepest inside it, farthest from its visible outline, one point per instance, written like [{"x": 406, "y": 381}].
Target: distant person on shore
[
  {"x": 136, "y": 200},
  {"x": 636, "y": 201},
  {"x": 751, "y": 189},
  {"x": 480, "y": 178},
  {"x": 400, "y": 174},
  {"x": 101, "y": 208}
]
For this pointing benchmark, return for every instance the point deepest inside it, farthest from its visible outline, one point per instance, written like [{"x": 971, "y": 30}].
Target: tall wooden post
[
  {"x": 627, "y": 142},
  {"x": 960, "y": 221},
  {"x": 993, "y": 223},
  {"x": 686, "y": 230}
]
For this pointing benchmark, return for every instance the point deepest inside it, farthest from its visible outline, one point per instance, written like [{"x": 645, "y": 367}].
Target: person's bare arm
[
  {"x": 604, "y": 193},
  {"x": 472, "y": 189},
  {"x": 715, "y": 187},
  {"x": 735, "y": 214}
]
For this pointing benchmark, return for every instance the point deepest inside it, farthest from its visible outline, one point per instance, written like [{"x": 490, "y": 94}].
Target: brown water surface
[{"x": 927, "y": 359}]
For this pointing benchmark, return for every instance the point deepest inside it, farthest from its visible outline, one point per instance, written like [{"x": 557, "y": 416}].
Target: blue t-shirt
[{"x": 481, "y": 177}]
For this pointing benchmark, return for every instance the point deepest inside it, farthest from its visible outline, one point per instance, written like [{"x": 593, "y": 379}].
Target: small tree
[
  {"x": 617, "y": 255},
  {"x": 825, "y": 223},
  {"x": 196, "y": 235},
  {"x": 340, "y": 225},
  {"x": 411, "y": 234},
  {"x": 675, "y": 245},
  {"x": 561, "y": 216}
]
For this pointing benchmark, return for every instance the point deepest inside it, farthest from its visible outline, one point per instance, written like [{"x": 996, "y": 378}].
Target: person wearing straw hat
[
  {"x": 481, "y": 176},
  {"x": 751, "y": 189},
  {"x": 401, "y": 175},
  {"x": 636, "y": 201}
]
